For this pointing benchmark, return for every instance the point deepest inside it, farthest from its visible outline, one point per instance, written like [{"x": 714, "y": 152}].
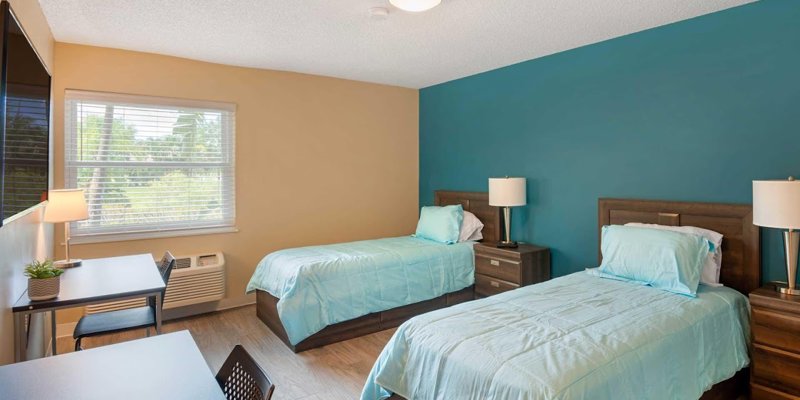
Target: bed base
[
  {"x": 267, "y": 311},
  {"x": 731, "y": 389}
]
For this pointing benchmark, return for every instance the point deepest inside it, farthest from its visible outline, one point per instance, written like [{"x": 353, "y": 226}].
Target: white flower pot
[{"x": 44, "y": 289}]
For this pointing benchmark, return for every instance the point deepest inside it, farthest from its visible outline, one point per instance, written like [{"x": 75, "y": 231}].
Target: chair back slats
[
  {"x": 241, "y": 378},
  {"x": 165, "y": 267}
]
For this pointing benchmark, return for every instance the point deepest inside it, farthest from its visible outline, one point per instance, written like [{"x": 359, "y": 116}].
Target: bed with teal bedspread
[
  {"x": 319, "y": 286},
  {"x": 574, "y": 337}
]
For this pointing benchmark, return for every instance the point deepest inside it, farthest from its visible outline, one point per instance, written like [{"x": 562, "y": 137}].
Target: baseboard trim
[{"x": 65, "y": 329}]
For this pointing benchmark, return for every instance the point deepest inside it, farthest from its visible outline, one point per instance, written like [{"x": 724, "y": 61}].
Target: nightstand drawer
[
  {"x": 776, "y": 368},
  {"x": 776, "y": 329},
  {"x": 498, "y": 267},
  {"x": 758, "y": 392},
  {"x": 488, "y": 286}
]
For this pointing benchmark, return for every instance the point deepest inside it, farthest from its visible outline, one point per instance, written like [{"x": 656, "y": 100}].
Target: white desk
[
  {"x": 98, "y": 280},
  {"x": 167, "y": 366}
]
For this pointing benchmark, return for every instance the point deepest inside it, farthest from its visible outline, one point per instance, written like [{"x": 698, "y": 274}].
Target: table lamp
[
  {"x": 776, "y": 204},
  {"x": 507, "y": 192},
  {"x": 66, "y": 205}
]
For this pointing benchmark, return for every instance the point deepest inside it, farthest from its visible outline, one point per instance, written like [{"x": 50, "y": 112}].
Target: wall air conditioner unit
[{"x": 196, "y": 279}]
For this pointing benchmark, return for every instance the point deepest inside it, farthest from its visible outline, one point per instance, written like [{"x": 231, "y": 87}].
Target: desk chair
[
  {"x": 241, "y": 378},
  {"x": 123, "y": 320}
]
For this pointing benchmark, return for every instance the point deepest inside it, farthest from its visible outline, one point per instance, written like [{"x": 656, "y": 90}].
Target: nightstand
[
  {"x": 499, "y": 270},
  {"x": 775, "y": 355}
]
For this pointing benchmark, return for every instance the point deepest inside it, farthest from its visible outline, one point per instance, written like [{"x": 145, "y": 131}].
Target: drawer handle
[
  {"x": 494, "y": 283},
  {"x": 494, "y": 262}
]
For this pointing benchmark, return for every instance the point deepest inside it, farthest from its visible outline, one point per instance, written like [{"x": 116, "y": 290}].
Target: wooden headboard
[
  {"x": 476, "y": 203},
  {"x": 741, "y": 250}
]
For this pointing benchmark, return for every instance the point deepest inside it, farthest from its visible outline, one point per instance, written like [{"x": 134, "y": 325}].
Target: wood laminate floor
[{"x": 336, "y": 371}]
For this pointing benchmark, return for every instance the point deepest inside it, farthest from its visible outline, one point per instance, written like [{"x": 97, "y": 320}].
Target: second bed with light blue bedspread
[
  {"x": 319, "y": 286},
  {"x": 574, "y": 337}
]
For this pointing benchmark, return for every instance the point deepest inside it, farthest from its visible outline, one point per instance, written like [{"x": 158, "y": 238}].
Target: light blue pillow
[
  {"x": 441, "y": 224},
  {"x": 667, "y": 260}
]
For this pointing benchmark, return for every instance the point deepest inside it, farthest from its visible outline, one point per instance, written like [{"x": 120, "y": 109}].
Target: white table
[
  {"x": 167, "y": 366},
  {"x": 98, "y": 280}
]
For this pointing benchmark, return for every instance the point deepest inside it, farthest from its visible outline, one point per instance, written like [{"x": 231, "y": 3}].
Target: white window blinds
[{"x": 149, "y": 164}]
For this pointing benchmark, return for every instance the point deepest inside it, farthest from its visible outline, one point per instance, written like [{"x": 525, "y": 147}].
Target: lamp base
[
  {"x": 507, "y": 243},
  {"x": 71, "y": 263},
  {"x": 791, "y": 243},
  {"x": 785, "y": 289},
  {"x": 791, "y": 292}
]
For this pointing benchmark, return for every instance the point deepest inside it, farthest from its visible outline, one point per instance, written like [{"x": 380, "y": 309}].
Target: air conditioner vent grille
[
  {"x": 184, "y": 262},
  {"x": 195, "y": 279}
]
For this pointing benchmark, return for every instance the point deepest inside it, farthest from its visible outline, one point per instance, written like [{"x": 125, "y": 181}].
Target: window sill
[{"x": 122, "y": 237}]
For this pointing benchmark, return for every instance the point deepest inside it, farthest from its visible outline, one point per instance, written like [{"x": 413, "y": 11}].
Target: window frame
[{"x": 71, "y": 166}]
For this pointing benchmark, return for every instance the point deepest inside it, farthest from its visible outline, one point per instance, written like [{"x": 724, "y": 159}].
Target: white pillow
[
  {"x": 713, "y": 264},
  {"x": 470, "y": 228},
  {"x": 478, "y": 235}
]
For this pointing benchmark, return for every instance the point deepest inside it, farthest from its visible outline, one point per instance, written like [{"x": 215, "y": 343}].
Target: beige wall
[
  {"x": 318, "y": 160},
  {"x": 24, "y": 237},
  {"x": 35, "y": 25}
]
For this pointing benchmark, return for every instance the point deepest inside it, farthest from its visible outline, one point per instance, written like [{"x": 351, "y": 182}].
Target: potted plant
[{"x": 44, "y": 280}]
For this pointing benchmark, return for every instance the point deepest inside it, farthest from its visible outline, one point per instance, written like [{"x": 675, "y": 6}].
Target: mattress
[
  {"x": 574, "y": 337},
  {"x": 319, "y": 286}
]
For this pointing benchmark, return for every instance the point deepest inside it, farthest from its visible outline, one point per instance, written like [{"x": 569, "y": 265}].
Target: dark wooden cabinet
[
  {"x": 499, "y": 270},
  {"x": 775, "y": 367}
]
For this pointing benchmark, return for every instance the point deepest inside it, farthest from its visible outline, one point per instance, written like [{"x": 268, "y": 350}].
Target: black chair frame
[
  {"x": 116, "y": 319},
  {"x": 241, "y": 378}
]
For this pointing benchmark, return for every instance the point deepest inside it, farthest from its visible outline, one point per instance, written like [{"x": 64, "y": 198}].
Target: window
[{"x": 149, "y": 165}]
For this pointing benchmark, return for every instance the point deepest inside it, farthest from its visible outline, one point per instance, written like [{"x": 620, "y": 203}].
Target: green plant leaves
[{"x": 42, "y": 270}]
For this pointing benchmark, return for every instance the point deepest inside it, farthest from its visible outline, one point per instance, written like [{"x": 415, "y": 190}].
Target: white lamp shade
[
  {"x": 415, "y": 5},
  {"x": 66, "y": 205},
  {"x": 776, "y": 204},
  {"x": 507, "y": 192}
]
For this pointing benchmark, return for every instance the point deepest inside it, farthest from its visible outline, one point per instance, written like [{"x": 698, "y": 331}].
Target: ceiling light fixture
[{"x": 415, "y": 5}]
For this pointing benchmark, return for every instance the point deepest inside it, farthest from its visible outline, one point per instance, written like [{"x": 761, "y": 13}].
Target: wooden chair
[
  {"x": 241, "y": 378},
  {"x": 123, "y": 320}
]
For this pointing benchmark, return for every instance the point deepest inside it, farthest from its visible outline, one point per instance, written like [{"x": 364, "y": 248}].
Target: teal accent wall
[{"x": 691, "y": 111}]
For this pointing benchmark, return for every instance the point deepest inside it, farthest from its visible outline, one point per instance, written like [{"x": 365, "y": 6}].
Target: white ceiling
[{"x": 338, "y": 38}]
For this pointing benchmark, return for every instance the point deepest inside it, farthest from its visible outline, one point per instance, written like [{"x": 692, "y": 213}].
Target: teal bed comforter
[
  {"x": 574, "y": 337},
  {"x": 321, "y": 285}
]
